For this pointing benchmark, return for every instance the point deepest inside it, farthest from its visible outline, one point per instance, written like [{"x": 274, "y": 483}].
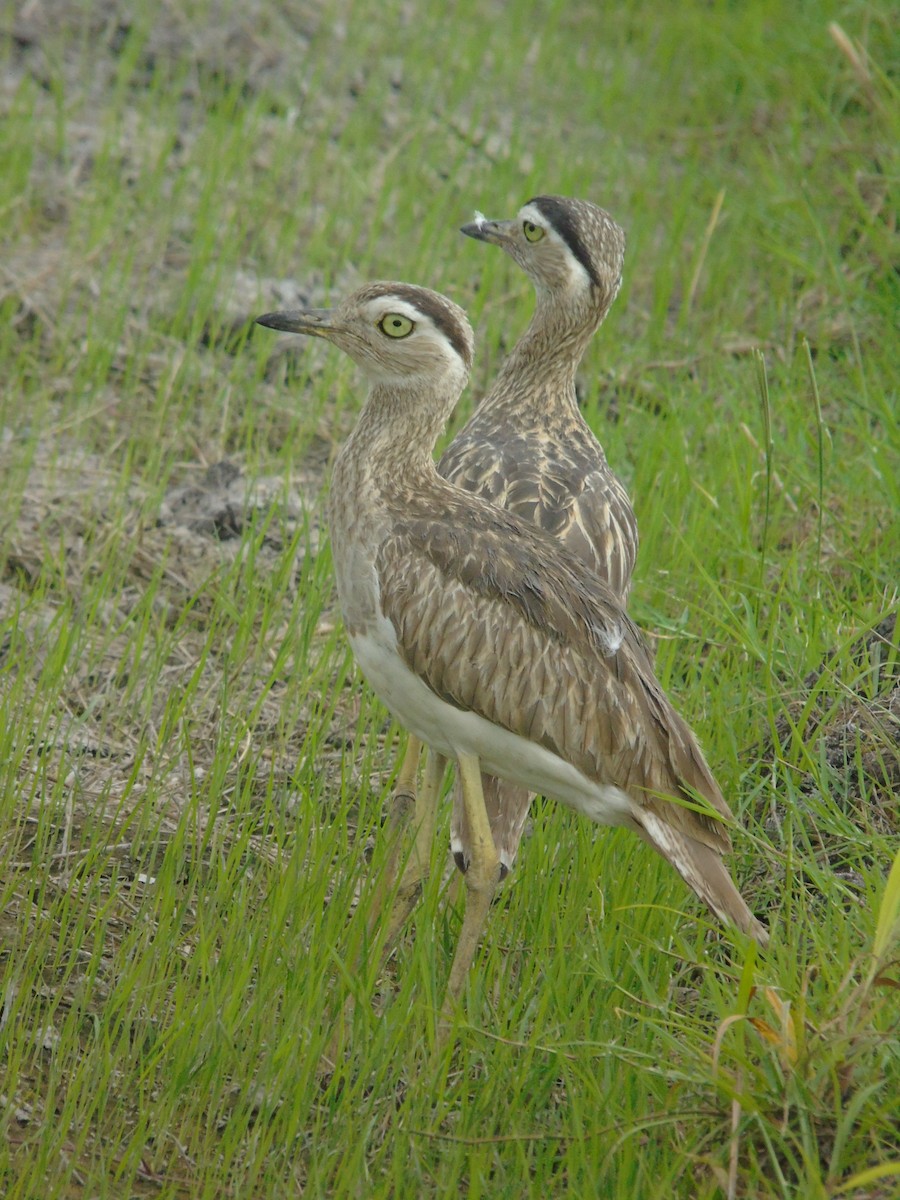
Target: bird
[
  {"x": 527, "y": 447},
  {"x": 483, "y": 636}
]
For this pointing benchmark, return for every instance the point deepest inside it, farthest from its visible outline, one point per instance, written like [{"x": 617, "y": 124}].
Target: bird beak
[
  {"x": 318, "y": 322},
  {"x": 497, "y": 232}
]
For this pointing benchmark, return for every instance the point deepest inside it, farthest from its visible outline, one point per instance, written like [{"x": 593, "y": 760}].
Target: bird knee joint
[
  {"x": 484, "y": 875},
  {"x": 402, "y": 807}
]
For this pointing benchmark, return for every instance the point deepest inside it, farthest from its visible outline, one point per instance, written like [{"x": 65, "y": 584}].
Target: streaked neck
[{"x": 553, "y": 345}]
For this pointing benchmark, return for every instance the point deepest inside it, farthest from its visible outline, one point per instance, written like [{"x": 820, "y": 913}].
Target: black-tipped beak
[
  {"x": 314, "y": 321},
  {"x": 499, "y": 233}
]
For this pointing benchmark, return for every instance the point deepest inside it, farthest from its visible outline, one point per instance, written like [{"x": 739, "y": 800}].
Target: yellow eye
[
  {"x": 532, "y": 232},
  {"x": 395, "y": 325}
]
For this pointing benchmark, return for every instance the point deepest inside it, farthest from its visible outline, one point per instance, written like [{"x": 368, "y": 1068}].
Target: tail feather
[{"x": 705, "y": 873}]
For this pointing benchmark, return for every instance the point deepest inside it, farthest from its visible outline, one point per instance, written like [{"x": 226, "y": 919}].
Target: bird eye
[
  {"x": 532, "y": 232},
  {"x": 395, "y": 325}
]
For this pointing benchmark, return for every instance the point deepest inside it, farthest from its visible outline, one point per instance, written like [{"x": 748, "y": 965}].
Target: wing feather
[
  {"x": 562, "y": 485},
  {"x": 510, "y": 627}
]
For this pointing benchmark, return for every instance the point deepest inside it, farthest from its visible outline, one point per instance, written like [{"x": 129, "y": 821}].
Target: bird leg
[
  {"x": 416, "y": 870},
  {"x": 405, "y": 789},
  {"x": 481, "y": 878},
  {"x": 403, "y": 804}
]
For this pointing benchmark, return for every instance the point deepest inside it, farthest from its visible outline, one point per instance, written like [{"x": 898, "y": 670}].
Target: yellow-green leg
[
  {"x": 410, "y": 888},
  {"x": 416, "y": 870},
  {"x": 403, "y": 805},
  {"x": 481, "y": 879}
]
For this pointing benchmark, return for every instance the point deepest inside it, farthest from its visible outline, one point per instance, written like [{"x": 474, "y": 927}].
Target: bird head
[
  {"x": 398, "y": 333},
  {"x": 570, "y": 249}
]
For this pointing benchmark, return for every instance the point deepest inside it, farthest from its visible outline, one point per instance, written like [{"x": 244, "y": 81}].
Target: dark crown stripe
[{"x": 560, "y": 217}]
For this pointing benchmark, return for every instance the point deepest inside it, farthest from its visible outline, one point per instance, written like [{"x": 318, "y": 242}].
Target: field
[{"x": 193, "y": 779}]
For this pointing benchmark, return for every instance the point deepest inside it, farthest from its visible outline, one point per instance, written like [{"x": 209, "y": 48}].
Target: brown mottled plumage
[
  {"x": 527, "y": 447},
  {"x": 487, "y": 639}
]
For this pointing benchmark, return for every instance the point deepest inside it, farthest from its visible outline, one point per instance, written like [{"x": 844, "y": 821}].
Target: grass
[{"x": 192, "y": 778}]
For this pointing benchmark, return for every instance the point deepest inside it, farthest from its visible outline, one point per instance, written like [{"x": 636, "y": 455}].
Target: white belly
[{"x": 452, "y": 731}]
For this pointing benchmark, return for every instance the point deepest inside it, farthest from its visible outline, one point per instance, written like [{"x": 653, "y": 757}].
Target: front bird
[{"x": 484, "y": 637}]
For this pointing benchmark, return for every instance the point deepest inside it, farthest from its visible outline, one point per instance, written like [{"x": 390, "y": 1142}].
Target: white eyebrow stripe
[
  {"x": 386, "y": 304},
  {"x": 529, "y": 212}
]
